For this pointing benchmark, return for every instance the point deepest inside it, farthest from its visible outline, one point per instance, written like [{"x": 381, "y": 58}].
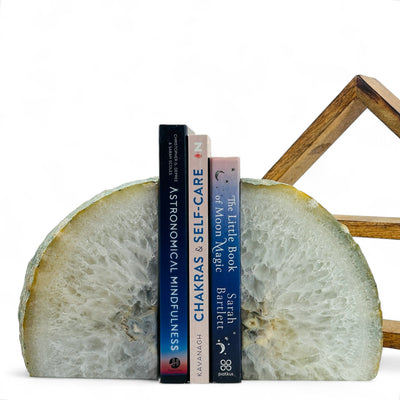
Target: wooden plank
[
  {"x": 374, "y": 227},
  {"x": 391, "y": 334},
  {"x": 333, "y": 121},
  {"x": 383, "y": 103}
]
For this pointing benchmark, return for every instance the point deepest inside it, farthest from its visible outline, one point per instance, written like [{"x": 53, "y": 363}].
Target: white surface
[{"x": 84, "y": 85}]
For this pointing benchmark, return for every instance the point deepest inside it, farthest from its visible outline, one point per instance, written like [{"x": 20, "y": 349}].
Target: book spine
[
  {"x": 198, "y": 154},
  {"x": 225, "y": 270},
  {"x": 173, "y": 254}
]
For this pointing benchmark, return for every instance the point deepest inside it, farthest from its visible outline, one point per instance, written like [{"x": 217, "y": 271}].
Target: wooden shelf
[
  {"x": 375, "y": 227},
  {"x": 362, "y": 92}
]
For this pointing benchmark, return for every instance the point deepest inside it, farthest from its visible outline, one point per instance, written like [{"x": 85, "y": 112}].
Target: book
[
  {"x": 198, "y": 154},
  {"x": 173, "y": 254},
  {"x": 225, "y": 269}
]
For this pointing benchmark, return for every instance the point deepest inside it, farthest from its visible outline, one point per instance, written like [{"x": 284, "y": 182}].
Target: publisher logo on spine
[{"x": 174, "y": 362}]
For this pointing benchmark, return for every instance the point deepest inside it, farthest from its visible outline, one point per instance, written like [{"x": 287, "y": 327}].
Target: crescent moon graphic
[
  {"x": 222, "y": 347},
  {"x": 217, "y": 174}
]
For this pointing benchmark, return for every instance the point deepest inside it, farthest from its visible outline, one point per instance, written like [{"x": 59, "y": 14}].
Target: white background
[{"x": 85, "y": 84}]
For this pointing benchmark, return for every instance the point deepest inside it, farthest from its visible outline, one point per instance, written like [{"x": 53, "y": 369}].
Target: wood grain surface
[
  {"x": 376, "y": 227},
  {"x": 362, "y": 92}
]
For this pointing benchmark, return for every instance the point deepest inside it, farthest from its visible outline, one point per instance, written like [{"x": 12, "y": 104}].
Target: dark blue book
[
  {"x": 173, "y": 254},
  {"x": 225, "y": 269}
]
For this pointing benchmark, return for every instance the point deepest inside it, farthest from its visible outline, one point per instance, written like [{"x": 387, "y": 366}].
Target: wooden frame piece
[{"x": 361, "y": 93}]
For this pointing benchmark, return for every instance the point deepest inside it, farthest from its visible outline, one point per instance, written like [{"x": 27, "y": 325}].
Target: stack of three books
[{"x": 199, "y": 260}]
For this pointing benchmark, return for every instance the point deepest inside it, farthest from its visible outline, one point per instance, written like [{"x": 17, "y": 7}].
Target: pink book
[{"x": 198, "y": 154}]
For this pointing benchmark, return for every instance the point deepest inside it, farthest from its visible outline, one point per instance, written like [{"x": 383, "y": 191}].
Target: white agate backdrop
[{"x": 85, "y": 84}]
